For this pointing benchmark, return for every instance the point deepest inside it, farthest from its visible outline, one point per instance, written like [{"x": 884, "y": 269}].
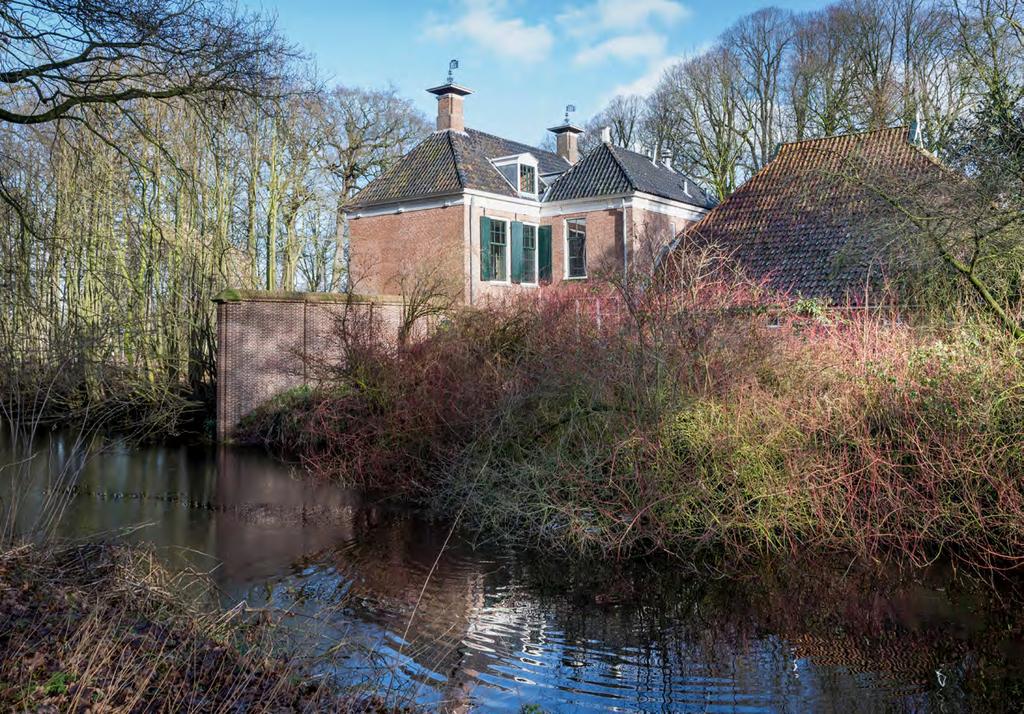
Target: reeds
[{"x": 101, "y": 627}]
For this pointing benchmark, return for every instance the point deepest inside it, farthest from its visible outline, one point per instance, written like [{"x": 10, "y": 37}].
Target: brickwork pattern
[
  {"x": 266, "y": 347},
  {"x": 384, "y": 248}
]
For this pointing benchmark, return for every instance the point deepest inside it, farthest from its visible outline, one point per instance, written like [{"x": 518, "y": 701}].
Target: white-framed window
[
  {"x": 522, "y": 173},
  {"x": 527, "y": 179},
  {"x": 498, "y": 240},
  {"x": 530, "y": 266},
  {"x": 576, "y": 248}
]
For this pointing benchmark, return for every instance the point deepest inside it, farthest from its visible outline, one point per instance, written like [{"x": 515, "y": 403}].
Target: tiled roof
[
  {"x": 609, "y": 170},
  {"x": 494, "y": 146},
  {"x": 801, "y": 225},
  {"x": 429, "y": 169},
  {"x": 447, "y": 162}
]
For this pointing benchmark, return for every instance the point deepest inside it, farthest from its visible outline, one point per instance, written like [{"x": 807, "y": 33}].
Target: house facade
[{"x": 499, "y": 216}]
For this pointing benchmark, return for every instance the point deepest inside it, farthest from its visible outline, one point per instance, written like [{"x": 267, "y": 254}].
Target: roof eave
[{"x": 397, "y": 202}]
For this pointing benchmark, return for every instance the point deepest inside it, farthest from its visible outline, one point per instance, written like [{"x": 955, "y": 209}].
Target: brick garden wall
[{"x": 267, "y": 341}]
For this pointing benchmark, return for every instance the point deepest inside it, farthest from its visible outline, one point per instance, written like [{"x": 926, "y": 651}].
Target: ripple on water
[{"x": 352, "y": 576}]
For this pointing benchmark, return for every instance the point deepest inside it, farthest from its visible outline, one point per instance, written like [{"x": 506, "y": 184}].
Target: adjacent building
[
  {"x": 500, "y": 216},
  {"x": 813, "y": 222}
]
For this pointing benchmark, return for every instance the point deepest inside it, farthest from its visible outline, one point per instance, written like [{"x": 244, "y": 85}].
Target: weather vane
[
  {"x": 569, "y": 108},
  {"x": 452, "y": 66}
]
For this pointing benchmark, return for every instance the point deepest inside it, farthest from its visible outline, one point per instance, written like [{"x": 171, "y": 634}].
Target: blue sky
[{"x": 524, "y": 59}]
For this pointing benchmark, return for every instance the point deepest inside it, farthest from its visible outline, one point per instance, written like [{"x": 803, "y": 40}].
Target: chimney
[
  {"x": 666, "y": 158},
  {"x": 606, "y": 135},
  {"x": 567, "y": 136},
  {"x": 449, "y": 106}
]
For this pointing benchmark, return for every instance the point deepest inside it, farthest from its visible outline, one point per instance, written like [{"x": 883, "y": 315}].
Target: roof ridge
[
  {"x": 679, "y": 175},
  {"x": 513, "y": 141},
  {"x": 849, "y": 135},
  {"x": 456, "y": 159},
  {"x": 743, "y": 188},
  {"x": 569, "y": 171},
  {"x": 622, "y": 166},
  {"x": 739, "y": 190}
]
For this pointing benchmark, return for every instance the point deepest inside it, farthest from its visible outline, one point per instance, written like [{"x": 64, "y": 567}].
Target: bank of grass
[
  {"x": 689, "y": 421},
  {"x": 101, "y": 627}
]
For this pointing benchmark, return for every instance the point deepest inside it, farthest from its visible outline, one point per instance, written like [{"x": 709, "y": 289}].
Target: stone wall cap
[{"x": 230, "y": 295}]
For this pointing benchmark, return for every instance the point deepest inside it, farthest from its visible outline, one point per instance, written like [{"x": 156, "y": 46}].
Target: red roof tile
[{"x": 801, "y": 222}]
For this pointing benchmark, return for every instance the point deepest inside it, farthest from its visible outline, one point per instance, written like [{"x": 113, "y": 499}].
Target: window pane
[
  {"x": 576, "y": 240},
  {"x": 529, "y": 254},
  {"x": 498, "y": 250},
  {"x": 527, "y": 179}
]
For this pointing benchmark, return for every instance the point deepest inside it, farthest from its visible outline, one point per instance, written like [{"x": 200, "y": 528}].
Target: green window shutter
[
  {"x": 485, "y": 248},
  {"x": 517, "y": 252},
  {"x": 544, "y": 254}
]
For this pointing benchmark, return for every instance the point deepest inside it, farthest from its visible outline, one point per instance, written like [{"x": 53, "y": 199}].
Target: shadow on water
[{"x": 344, "y": 571}]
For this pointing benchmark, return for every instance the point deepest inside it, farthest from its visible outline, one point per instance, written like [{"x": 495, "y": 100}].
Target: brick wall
[
  {"x": 268, "y": 343},
  {"x": 604, "y": 246},
  {"x": 383, "y": 249},
  {"x": 651, "y": 232},
  {"x": 604, "y": 242}
]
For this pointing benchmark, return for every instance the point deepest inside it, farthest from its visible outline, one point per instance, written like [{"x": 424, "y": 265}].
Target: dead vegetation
[{"x": 91, "y": 627}]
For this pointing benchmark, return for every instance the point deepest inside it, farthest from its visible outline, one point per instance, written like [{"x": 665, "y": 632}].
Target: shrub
[{"x": 684, "y": 420}]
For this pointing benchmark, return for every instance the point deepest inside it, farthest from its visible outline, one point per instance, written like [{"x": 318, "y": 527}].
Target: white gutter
[
  {"x": 469, "y": 246},
  {"x": 625, "y": 246}
]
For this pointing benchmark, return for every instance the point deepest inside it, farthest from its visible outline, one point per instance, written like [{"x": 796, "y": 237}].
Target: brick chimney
[
  {"x": 567, "y": 138},
  {"x": 449, "y": 106}
]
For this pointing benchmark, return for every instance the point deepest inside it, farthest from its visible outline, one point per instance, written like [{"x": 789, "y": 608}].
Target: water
[{"x": 498, "y": 630}]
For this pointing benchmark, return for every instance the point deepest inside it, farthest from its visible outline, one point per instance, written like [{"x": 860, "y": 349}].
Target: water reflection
[{"x": 493, "y": 629}]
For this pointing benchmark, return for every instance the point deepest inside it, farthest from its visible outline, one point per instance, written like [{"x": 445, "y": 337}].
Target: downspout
[
  {"x": 625, "y": 246},
  {"x": 469, "y": 247}
]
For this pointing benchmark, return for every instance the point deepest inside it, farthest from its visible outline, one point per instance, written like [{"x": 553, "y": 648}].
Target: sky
[{"x": 525, "y": 60}]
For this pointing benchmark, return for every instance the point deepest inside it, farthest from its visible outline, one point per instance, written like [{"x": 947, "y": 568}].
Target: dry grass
[{"x": 106, "y": 628}]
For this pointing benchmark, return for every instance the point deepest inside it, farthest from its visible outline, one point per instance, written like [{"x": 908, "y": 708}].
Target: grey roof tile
[
  {"x": 609, "y": 170},
  {"x": 448, "y": 162},
  {"x": 429, "y": 169}
]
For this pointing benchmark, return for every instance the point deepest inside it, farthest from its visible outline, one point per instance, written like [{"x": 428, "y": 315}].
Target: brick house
[{"x": 501, "y": 216}]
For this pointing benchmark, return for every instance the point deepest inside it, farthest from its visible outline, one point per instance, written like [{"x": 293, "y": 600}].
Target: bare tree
[
  {"x": 624, "y": 115},
  {"x": 429, "y": 291},
  {"x": 871, "y": 30},
  {"x": 366, "y": 132},
  {"x": 60, "y": 57},
  {"x": 761, "y": 42},
  {"x": 708, "y": 137},
  {"x": 821, "y": 77},
  {"x": 71, "y": 61}
]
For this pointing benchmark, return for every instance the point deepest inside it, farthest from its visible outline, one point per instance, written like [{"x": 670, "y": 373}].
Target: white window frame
[
  {"x": 536, "y": 255},
  {"x": 565, "y": 248},
  {"x": 508, "y": 251},
  {"x": 536, "y": 178},
  {"x": 519, "y": 160}
]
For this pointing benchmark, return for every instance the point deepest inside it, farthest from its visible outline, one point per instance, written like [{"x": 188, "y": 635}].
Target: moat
[{"x": 347, "y": 573}]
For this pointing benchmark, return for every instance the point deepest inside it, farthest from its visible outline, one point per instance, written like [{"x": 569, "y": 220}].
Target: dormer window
[
  {"x": 520, "y": 170},
  {"x": 527, "y": 179}
]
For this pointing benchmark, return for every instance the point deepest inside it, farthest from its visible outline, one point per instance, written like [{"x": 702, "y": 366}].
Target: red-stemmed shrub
[{"x": 700, "y": 414}]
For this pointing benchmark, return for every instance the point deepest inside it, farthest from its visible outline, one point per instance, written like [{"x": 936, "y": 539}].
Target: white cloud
[
  {"x": 618, "y": 16},
  {"x": 482, "y": 22},
  {"x": 624, "y": 47},
  {"x": 646, "y": 82}
]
